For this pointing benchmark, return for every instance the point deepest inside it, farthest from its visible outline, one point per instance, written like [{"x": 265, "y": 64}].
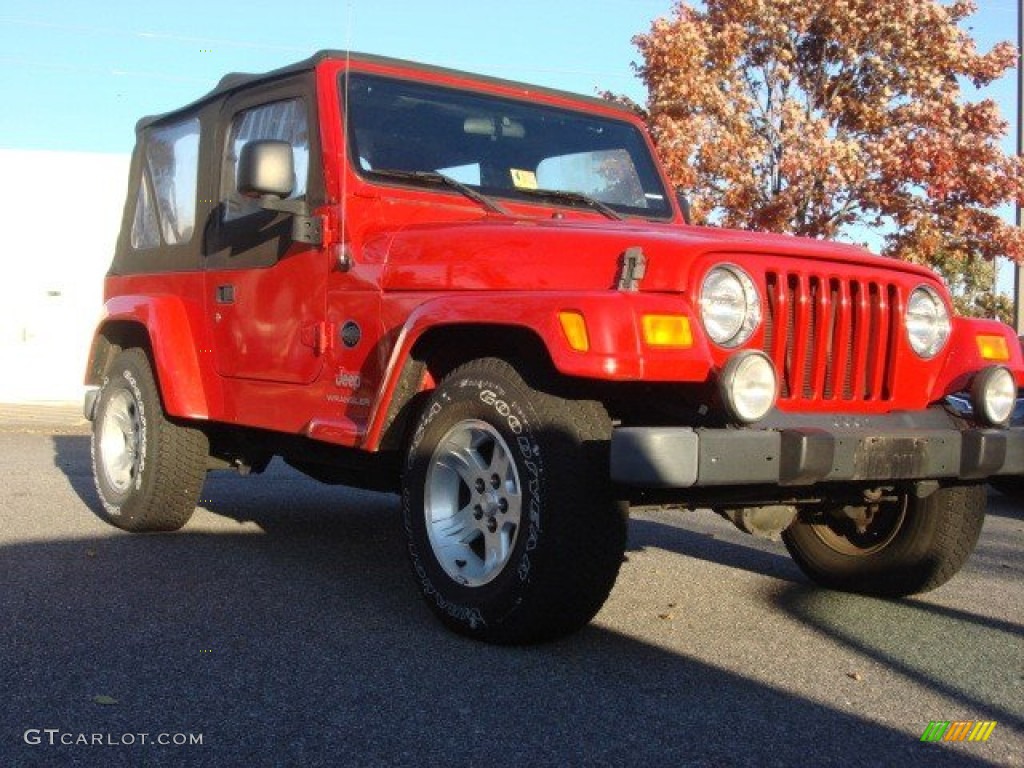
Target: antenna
[{"x": 344, "y": 260}]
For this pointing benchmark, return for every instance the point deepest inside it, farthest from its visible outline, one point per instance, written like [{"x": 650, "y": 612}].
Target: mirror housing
[
  {"x": 266, "y": 168},
  {"x": 266, "y": 171}
]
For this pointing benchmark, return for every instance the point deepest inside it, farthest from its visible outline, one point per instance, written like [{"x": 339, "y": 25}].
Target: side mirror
[
  {"x": 266, "y": 168},
  {"x": 684, "y": 205}
]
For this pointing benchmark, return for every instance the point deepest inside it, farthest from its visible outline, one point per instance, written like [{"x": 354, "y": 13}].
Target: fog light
[
  {"x": 994, "y": 393},
  {"x": 749, "y": 386}
]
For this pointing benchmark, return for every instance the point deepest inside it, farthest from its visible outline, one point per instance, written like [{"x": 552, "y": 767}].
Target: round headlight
[
  {"x": 994, "y": 394},
  {"x": 730, "y": 307},
  {"x": 749, "y": 386},
  {"x": 927, "y": 322}
]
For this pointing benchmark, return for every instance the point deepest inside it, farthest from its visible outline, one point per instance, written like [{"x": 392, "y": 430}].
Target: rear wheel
[
  {"x": 148, "y": 470},
  {"x": 910, "y": 545},
  {"x": 513, "y": 533}
]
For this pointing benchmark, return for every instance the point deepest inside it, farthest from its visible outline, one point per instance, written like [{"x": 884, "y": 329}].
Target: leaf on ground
[{"x": 102, "y": 699}]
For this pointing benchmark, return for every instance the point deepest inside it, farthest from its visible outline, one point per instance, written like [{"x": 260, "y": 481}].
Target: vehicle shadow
[
  {"x": 1009, "y": 505},
  {"x": 284, "y": 628},
  {"x": 301, "y": 641},
  {"x": 74, "y": 460},
  {"x": 710, "y": 546},
  {"x": 966, "y": 657}
]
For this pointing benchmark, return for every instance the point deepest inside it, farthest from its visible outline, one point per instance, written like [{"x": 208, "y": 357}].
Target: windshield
[{"x": 500, "y": 147}]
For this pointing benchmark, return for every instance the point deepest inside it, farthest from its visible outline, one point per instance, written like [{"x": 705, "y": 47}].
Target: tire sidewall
[
  {"x": 904, "y": 565},
  {"x": 911, "y": 540},
  {"x": 122, "y": 507},
  {"x": 505, "y": 406}
]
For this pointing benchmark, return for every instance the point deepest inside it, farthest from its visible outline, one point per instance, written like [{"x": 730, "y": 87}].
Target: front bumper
[{"x": 845, "y": 450}]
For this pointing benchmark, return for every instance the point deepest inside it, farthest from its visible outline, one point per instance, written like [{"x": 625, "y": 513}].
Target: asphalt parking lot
[{"x": 281, "y": 627}]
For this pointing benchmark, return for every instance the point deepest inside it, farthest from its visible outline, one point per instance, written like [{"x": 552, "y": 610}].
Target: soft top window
[
  {"x": 503, "y": 147},
  {"x": 170, "y": 175},
  {"x": 145, "y": 228}
]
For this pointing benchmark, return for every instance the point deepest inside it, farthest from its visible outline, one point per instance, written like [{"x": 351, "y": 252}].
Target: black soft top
[{"x": 238, "y": 80}]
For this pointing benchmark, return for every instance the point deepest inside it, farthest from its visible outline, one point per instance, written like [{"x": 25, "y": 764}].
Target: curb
[{"x": 43, "y": 417}]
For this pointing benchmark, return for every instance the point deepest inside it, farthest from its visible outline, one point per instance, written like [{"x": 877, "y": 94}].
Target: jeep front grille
[{"x": 832, "y": 339}]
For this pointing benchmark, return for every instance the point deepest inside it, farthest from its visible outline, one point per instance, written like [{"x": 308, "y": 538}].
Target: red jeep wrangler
[{"x": 483, "y": 295}]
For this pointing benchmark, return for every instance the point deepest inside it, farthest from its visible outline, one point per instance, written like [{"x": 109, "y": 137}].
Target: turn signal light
[
  {"x": 667, "y": 331},
  {"x": 575, "y": 329},
  {"x": 993, "y": 348}
]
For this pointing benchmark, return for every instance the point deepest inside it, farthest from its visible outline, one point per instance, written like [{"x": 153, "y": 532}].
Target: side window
[
  {"x": 145, "y": 229},
  {"x": 606, "y": 175},
  {"x": 281, "y": 120},
  {"x": 172, "y": 164}
]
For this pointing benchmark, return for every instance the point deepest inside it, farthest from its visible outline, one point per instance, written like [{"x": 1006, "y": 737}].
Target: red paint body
[{"x": 425, "y": 258}]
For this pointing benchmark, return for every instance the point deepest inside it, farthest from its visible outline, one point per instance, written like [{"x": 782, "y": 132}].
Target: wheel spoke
[
  {"x": 465, "y": 462},
  {"x": 515, "y": 502},
  {"x": 124, "y": 422},
  {"x": 497, "y": 546},
  {"x": 454, "y": 551},
  {"x": 461, "y": 526},
  {"x": 122, "y": 463},
  {"x": 501, "y": 465}
]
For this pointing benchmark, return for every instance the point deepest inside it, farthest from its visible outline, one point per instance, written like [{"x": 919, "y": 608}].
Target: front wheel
[
  {"x": 148, "y": 470},
  {"x": 513, "y": 533},
  {"x": 910, "y": 545}
]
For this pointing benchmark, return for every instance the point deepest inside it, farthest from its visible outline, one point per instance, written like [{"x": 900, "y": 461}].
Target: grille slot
[{"x": 831, "y": 338}]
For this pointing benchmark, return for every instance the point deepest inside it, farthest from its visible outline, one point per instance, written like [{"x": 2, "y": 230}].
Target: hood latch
[{"x": 632, "y": 268}]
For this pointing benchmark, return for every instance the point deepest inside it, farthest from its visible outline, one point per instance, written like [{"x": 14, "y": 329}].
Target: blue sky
[{"x": 78, "y": 75}]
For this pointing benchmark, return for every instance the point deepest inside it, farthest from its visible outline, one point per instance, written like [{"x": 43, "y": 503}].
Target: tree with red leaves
[{"x": 812, "y": 118}]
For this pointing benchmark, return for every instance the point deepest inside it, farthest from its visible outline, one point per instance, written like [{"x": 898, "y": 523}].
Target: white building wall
[{"x": 60, "y": 215}]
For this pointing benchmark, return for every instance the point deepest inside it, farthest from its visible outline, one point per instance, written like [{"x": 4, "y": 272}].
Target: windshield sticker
[{"x": 524, "y": 179}]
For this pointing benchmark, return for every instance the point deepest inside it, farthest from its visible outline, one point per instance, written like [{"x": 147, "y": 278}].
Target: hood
[{"x": 584, "y": 255}]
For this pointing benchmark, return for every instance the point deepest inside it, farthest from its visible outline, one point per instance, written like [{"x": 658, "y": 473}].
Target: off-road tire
[
  {"x": 148, "y": 470},
  {"x": 923, "y": 545},
  {"x": 571, "y": 534}
]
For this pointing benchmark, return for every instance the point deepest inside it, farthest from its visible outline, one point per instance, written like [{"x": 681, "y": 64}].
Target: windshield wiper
[
  {"x": 439, "y": 178},
  {"x": 575, "y": 197}
]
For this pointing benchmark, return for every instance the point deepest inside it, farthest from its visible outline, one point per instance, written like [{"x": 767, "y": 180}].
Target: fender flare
[
  {"x": 964, "y": 359},
  {"x": 613, "y": 319},
  {"x": 164, "y": 320}
]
